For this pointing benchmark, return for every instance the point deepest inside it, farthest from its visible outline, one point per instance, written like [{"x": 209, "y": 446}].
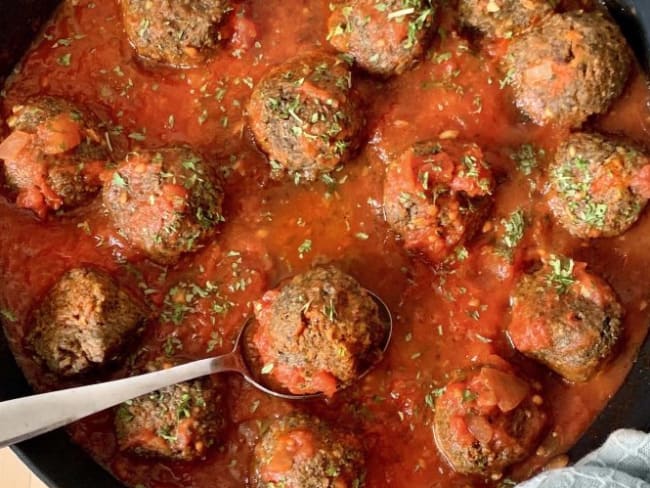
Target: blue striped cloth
[{"x": 622, "y": 462}]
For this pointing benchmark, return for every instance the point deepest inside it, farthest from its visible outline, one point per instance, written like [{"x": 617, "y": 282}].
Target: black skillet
[{"x": 62, "y": 464}]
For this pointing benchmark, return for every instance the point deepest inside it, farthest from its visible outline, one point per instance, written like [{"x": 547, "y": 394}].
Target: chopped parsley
[
  {"x": 513, "y": 232},
  {"x": 561, "y": 273},
  {"x": 527, "y": 158},
  {"x": 8, "y": 315},
  {"x": 267, "y": 368},
  {"x": 469, "y": 396},
  {"x": 118, "y": 180},
  {"x": 64, "y": 60},
  {"x": 304, "y": 248}
]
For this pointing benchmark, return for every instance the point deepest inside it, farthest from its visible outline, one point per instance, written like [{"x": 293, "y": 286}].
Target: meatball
[
  {"x": 180, "y": 33},
  {"x": 84, "y": 322},
  {"x": 300, "y": 451},
  {"x": 54, "y": 155},
  {"x": 304, "y": 115},
  {"x": 318, "y": 332},
  {"x": 383, "y": 37},
  {"x": 574, "y": 65},
  {"x": 598, "y": 187},
  {"x": 503, "y": 18},
  {"x": 435, "y": 196},
  {"x": 566, "y": 318},
  {"x": 178, "y": 422},
  {"x": 488, "y": 420},
  {"x": 164, "y": 202}
]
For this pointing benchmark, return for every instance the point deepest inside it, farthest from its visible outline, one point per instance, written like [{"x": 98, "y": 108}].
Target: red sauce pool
[{"x": 444, "y": 320}]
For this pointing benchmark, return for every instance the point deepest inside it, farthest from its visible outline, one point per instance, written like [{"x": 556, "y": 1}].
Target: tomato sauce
[{"x": 445, "y": 318}]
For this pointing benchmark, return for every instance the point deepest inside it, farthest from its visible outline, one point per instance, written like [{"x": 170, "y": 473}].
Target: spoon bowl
[{"x": 247, "y": 366}]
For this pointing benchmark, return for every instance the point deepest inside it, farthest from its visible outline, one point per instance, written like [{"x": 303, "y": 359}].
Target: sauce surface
[{"x": 445, "y": 319}]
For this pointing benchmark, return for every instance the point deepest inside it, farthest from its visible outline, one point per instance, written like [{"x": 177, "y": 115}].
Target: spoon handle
[{"x": 28, "y": 417}]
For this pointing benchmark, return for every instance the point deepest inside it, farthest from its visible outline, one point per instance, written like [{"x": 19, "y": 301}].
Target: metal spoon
[{"x": 24, "y": 418}]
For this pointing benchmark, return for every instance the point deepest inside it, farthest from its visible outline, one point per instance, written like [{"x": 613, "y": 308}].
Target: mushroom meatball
[
  {"x": 565, "y": 318},
  {"x": 435, "y": 196},
  {"x": 299, "y": 451},
  {"x": 164, "y": 202},
  {"x": 503, "y": 18},
  {"x": 598, "y": 187},
  {"x": 180, "y": 33},
  {"x": 55, "y": 155},
  {"x": 84, "y": 322},
  {"x": 383, "y": 37},
  {"x": 574, "y": 65},
  {"x": 178, "y": 422},
  {"x": 318, "y": 332},
  {"x": 304, "y": 115},
  {"x": 488, "y": 420}
]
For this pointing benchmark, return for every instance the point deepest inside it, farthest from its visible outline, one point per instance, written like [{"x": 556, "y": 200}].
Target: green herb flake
[
  {"x": 561, "y": 273},
  {"x": 267, "y": 368},
  {"x": 119, "y": 181},
  {"x": 64, "y": 60},
  {"x": 304, "y": 248},
  {"x": 8, "y": 315},
  {"x": 469, "y": 396}
]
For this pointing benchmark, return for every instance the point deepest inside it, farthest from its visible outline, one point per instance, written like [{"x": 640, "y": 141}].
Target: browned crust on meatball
[
  {"x": 488, "y": 420},
  {"x": 572, "y": 66},
  {"x": 566, "y": 318},
  {"x": 597, "y": 185},
  {"x": 305, "y": 116},
  {"x": 329, "y": 458},
  {"x": 84, "y": 322},
  {"x": 179, "y": 33},
  {"x": 179, "y": 422},
  {"x": 165, "y": 202},
  {"x": 503, "y": 18},
  {"x": 383, "y": 37}
]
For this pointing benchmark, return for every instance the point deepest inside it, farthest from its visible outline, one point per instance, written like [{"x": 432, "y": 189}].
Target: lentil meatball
[
  {"x": 384, "y": 37},
  {"x": 54, "y": 155},
  {"x": 435, "y": 195},
  {"x": 488, "y": 420},
  {"x": 503, "y": 18},
  {"x": 566, "y": 318},
  {"x": 300, "y": 451},
  {"x": 164, "y": 202},
  {"x": 304, "y": 115},
  {"x": 180, "y": 33},
  {"x": 318, "y": 332},
  {"x": 84, "y": 322},
  {"x": 572, "y": 66},
  {"x": 598, "y": 187},
  {"x": 178, "y": 422}
]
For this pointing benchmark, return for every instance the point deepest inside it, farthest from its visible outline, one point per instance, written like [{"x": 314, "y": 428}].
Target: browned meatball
[
  {"x": 299, "y": 451},
  {"x": 488, "y": 420},
  {"x": 574, "y": 65},
  {"x": 384, "y": 37},
  {"x": 55, "y": 155},
  {"x": 565, "y": 318},
  {"x": 435, "y": 195},
  {"x": 304, "y": 115},
  {"x": 318, "y": 332},
  {"x": 178, "y": 422},
  {"x": 164, "y": 202},
  {"x": 84, "y": 322},
  {"x": 503, "y": 18},
  {"x": 180, "y": 33},
  {"x": 598, "y": 187}
]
